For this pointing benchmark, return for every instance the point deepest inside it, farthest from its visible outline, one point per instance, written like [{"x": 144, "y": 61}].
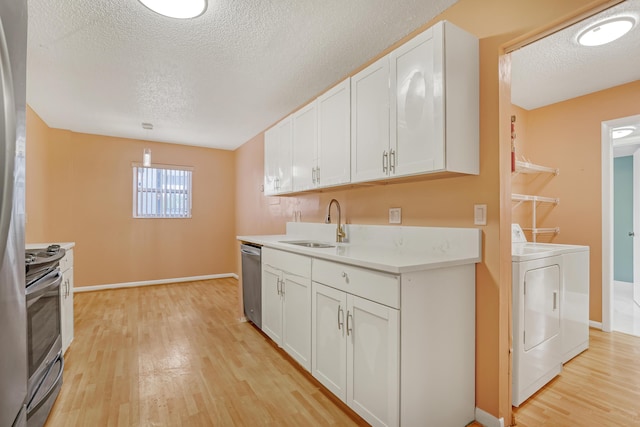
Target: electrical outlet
[
  {"x": 395, "y": 215},
  {"x": 480, "y": 214}
]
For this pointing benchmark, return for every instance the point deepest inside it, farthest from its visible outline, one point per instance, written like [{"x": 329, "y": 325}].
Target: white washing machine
[{"x": 550, "y": 311}]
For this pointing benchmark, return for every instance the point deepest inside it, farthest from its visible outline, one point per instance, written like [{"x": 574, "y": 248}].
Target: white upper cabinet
[
  {"x": 417, "y": 107},
  {"x": 433, "y": 107},
  {"x": 321, "y": 140},
  {"x": 305, "y": 141},
  {"x": 334, "y": 136},
  {"x": 278, "y": 158},
  {"x": 412, "y": 112},
  {"x": 271, "y": 147},
  {"x": 370, "y": 122}
]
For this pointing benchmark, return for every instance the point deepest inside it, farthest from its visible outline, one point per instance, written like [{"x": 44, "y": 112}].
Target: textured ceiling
[
  {"x": 557, "y": 68},
  {"x": 104, "y": 67}
]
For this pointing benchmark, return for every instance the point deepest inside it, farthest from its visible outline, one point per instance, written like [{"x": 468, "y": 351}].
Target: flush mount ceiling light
[
  {"x": 181, "y": 9},
  {"x": 621, "y": 132},
  {"x": 606, "y": 31}
]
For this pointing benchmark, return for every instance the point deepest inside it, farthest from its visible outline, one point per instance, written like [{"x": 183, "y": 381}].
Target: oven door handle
[
  {"x": 52, "y": 388},
  {"x": 42, "y": 286}
]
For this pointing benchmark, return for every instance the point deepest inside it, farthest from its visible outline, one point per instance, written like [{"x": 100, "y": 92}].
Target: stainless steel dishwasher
[{"x": 252, "y": 283}]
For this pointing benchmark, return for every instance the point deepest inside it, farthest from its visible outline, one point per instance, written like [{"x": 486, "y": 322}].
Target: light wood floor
[
  {"x": 175, "y": 355},
  {"x": 600, "y": 387}
]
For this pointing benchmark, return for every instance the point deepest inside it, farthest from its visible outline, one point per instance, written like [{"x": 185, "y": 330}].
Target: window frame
[{"x": 162, "y": 192}]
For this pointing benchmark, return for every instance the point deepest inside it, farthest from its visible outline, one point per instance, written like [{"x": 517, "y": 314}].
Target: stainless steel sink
[{"x": 308, "y": 243}]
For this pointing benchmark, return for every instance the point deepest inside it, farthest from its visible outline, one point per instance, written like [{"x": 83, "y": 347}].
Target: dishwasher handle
[{"x": 250, "y": 250}]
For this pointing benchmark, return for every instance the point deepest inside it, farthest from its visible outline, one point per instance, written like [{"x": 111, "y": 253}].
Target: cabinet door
[
  {"x": 370, "y": 122},
  {"x": 285, "y": 156},
  {"x": 66, "y": 309},
  {"x": 272, "y": 303},
  {"x": 296, "y": 312},
  {"x": 334, "y": 136},
  {"x": 373, "y": 347},
  {"x": 305, "y": 139},
  {"x": 271, "y": 147},
  {"x": 417, "y": 106},
  {"x": 329, "y": 347}
]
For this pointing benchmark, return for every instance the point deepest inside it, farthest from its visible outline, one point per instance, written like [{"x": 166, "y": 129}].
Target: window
[{"x": 162, "y": 192}]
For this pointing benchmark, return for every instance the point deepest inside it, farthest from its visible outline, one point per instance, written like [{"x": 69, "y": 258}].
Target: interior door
[{"x": 636, "y": 227}]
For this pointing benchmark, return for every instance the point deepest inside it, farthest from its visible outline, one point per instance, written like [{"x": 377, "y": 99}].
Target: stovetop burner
[{"x": 39, "y": 262}]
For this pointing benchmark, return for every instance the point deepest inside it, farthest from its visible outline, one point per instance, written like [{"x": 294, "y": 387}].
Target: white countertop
[{"x": 393, "y": 249}]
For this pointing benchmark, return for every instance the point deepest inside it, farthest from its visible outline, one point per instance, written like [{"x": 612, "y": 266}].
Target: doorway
[
  {"x": 567, "y": 131},
  {"x": 620, "y": 290}
]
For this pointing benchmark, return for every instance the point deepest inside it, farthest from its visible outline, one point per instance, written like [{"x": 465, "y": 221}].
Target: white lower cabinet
[
  {"x": 286, "y": 302},
  {"x": 329, "y": 338},
  {"x": 398, "y": 349},
  {"x": 66, "y": 300},
  {"x": 355, "y": 352}
]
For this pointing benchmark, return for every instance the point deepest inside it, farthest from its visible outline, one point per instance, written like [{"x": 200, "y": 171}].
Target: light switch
[
  {"x": 480, "y": 214},
  {"x": 395, "y": 215}
]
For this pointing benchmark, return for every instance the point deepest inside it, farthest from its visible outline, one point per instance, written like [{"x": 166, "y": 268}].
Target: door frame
[{"x": 607, "y": 216}]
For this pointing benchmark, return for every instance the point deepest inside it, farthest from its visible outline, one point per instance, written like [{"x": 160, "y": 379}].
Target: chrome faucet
[{"x": 340, "y": 235}]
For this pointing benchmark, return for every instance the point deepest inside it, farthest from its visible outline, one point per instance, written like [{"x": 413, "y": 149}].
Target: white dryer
[{"x": 550, "y": 310}]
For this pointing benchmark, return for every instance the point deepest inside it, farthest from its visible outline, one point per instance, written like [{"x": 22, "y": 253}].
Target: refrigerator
[{"x": 13, "y": 317}]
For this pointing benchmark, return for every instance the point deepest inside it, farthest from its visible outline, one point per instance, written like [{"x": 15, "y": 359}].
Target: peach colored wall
[
  {"x": 87, "y": 181},
  {"x": 37, "y": 170},
  {"x": 447, "y": 202},
  {"x": 567, "y": 135}
]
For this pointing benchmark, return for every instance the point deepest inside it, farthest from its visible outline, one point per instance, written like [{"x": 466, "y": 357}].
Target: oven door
[
  {"x": 45, "y": 394},
  {"x": 43, "y": 327}
]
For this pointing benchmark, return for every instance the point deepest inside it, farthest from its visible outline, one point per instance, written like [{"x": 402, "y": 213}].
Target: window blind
[{"x": 162, "y": 192}]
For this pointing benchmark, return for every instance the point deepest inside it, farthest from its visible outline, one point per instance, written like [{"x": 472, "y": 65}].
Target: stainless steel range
[{"x": 44, "y": 342}]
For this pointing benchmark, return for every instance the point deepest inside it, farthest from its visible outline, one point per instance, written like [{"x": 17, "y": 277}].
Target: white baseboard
[
  {"x": 152, "y": 282},
  {"x": 595, "y": 325},
  {"x": 488, "y": 420}
]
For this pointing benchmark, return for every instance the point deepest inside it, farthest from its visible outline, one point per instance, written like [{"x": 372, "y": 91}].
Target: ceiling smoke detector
[
  {"x": 606, "y": 31},
  {"x": 182, "y": 9}
]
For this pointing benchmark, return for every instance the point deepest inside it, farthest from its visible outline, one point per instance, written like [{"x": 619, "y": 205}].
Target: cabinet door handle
[
  {"x": 392, "y": 161},
  {"x": 349, "y": 328},
  {"x": 313, "y": 175},
  {"x": 282, "y": 288},
  {"x": 278, "y": 287},
  {"x": 318, "y": 175},
  {"x": 385, "y": 161},
  {"x": 631, "y": 233},
  {"x": 555, "y": 300},
  {"x": 340, "y": 318}
]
